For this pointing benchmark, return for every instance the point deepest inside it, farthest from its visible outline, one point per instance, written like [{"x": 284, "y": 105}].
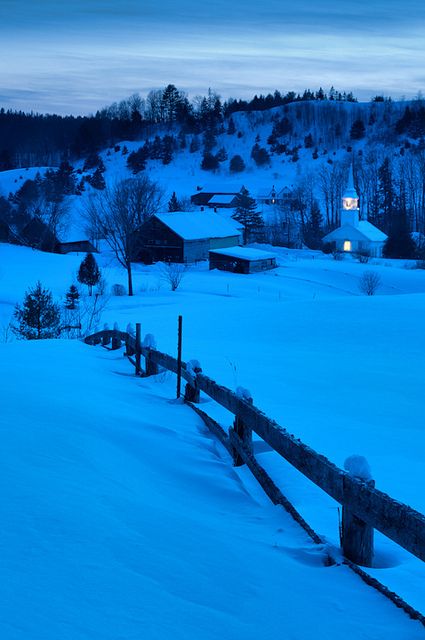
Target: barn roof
[
  {"x": 194, "y": 225},
  {"x": 222, "y": 199}
]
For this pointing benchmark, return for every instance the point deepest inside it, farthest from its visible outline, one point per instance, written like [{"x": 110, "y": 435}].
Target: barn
[
  {"x": 187, "y": 236},
  {"x": 76, "y": 246},
  {"x": 242, "y": 260}
]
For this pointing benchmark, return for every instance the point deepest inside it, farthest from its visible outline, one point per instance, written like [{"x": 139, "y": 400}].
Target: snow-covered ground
[
  {"x": 122, "y": 518},
  {"x": 341, "y": 370}
]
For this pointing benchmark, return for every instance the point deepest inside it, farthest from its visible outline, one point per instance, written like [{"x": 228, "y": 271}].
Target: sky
[{"x": 78, "y": 56}]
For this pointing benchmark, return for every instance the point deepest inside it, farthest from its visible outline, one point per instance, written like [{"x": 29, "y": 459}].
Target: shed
[
  {"x": 76, "y": 246},
  {"x": 242, "y": 260},
  {"x": 204, "y": 194},
  {"x": 187, "y": 236},
  {"x": 225, "y": 201}
]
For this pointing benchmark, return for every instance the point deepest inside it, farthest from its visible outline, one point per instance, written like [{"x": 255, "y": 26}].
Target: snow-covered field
[{"x": 117, "y": 499}]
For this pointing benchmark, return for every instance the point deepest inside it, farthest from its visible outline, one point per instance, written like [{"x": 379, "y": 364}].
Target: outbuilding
[
  {"x": 242, "y": 260},
  {"x": 187, "y": 236}
]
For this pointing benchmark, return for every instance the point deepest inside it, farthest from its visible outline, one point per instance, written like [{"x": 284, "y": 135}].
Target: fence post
[
  {"x": 116, "y": 340},
  {"x": 179, "y": 356},
  {"x": 192, "y": 392},
  {"x": 149, "y": 343},
  {"x": 357, "y": 535},
  {"x": 241, "y": 429},
  {"x": 138, "y": 348}
]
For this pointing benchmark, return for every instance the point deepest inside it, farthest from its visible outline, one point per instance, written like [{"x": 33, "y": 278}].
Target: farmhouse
[
  {"x": 242, "y": 260},
  {"x": 187, "y": 236},
  {"x": 355, "y": 235},
  {"x": 274, "y": 195},
  {"x": 204, "y": 195}
]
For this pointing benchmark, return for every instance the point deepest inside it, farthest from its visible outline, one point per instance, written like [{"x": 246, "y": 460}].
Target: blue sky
[{"x": 76, "y": 57}]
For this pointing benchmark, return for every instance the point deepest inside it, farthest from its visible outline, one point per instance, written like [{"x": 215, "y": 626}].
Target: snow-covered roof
[
  {"x": 371, "y": 232},
  {"x": 223, "y": 199},
  {"x": 198, "y": 225},
  {"x": 245, "y": 253},
  {"x": 364, "y": 231}
]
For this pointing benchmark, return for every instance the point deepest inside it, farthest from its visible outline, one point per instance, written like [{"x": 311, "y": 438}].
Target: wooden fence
[{"x": 364, "y": 508}]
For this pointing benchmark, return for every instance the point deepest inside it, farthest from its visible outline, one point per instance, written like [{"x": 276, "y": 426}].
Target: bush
[
  {"x": 369, "y": 283},
  {"x": 173, "y": 273},
  {"x": 337, "y": 255},
  {"x": 363, "y": 257},
  {"x": 118, "y": 290},
  {"x": 328, "y": 247}
]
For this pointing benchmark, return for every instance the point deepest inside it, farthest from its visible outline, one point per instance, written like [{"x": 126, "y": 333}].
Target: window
[{"x": 347, "y": 245}]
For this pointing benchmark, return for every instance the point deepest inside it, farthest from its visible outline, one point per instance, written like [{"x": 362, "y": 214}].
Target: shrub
[
  {"x": 369, "y": 283},
  {"x": 363, "y": 257},
  {"x": 337, "y": 255},
  {"x": 173, "y": 273},
  {"x": 236, "y": 164},
  {"x": 118, "y": 290}
]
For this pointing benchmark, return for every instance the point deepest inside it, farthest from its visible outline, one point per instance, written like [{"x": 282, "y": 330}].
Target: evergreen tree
[
  {"x": 97, "y": 180},
  {"x": 231, "y": 129},
  {"x": 386, "y": 196},
  {"x": 39, "y": 316},
  {"x": 222, "y": 154},
  {"x": 89, "y": 272},
  {"x": 357, "y": 131},
  {"x": 399, "y": 243},
  {"x": 260, "y": 155},
  {"x": 246, "y": 213},
  {"x": 209, "y": 162},
  {"x": 71, "y": 298},
  {"x": 236, "y": 164},
  {"x": 313, "y": 229},
  {"x": 174, "y": 204}
]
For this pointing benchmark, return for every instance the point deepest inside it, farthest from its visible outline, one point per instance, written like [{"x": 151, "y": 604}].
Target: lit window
[{"x": 347, "y": 245}]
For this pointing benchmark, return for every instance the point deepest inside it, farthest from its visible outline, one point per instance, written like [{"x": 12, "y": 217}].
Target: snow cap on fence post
[
  {"x": 356, "y": 535},
  {"x": 116, "y": 339},
  {"x": 149, "y": 341},
  {"x": 244, "y": 394},
  {"x": 130, "y": 329},
  {"x": 106, "y": 339},
  {"x": 191, "y": 391}
]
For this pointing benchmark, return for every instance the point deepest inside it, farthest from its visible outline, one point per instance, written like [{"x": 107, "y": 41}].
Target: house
[
  {"x": 204, "y": 194},
  {"x": 187, "y": 236},
  {"x": 242, "y": 260},
  {"x": 355, "y": 235},
  {"x": 274, "y": 195}
]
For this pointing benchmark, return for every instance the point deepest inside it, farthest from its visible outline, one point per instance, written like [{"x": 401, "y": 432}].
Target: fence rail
[{"x": 364, "y": 507}]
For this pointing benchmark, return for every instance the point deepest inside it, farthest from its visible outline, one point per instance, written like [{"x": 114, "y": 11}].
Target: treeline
[{"x": 31, "y": 139}]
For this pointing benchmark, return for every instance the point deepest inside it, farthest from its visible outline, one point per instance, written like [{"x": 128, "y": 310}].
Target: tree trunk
[{"x": 130, "y": 279}]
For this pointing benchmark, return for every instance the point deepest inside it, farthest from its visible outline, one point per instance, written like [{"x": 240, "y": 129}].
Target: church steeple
[{"x": 350, "y": 203}]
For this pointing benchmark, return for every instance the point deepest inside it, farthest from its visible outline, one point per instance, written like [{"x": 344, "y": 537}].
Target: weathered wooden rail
[{"x": 364, "y": 507}]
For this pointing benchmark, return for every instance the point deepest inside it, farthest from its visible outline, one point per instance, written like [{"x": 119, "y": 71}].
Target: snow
[
  {"x": 358, "y": 467},
  {"x": 199, "y": 225},
  {"x": 339, "y": 370},
  {"x": 245, "y": 253},
  {"x": 371, "y": 232},
  {"x": 222, "y": 199},
  {"x": 123, "y": 518}
]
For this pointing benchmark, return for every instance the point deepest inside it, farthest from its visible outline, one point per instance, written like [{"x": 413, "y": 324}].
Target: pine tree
[
  {"x": 313, "y": 230},
  {"x": 89, "y": 272},
  {"x": 246, "y": 213},
  {"x": 399, "y": 243},
  {"x": 231, "y": 129},
  {"x": 236, "y": 164},
  {"x": 39, "y": 316},
  {"x": 209, "y": 162},
  {"x": 72, "y": 298},
  {"x": 97, "y": 180},
  {"x": 174, "y": 204}
]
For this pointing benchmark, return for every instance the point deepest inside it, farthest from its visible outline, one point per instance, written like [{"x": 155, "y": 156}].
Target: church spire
[{"x": 350, "y": 202}]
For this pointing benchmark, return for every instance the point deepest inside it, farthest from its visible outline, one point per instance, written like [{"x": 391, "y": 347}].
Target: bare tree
[
  {"x": 369, "y": 283},
  {"x": 118, "y": 215},
  {"x": 173, "y": 273}
]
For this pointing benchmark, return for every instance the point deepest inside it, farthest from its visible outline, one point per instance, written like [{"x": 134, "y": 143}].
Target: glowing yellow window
[{"x": 347, "y": 245}]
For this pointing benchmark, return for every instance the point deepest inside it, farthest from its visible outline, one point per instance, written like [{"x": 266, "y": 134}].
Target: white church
[{"x": 355, "y": 235}]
